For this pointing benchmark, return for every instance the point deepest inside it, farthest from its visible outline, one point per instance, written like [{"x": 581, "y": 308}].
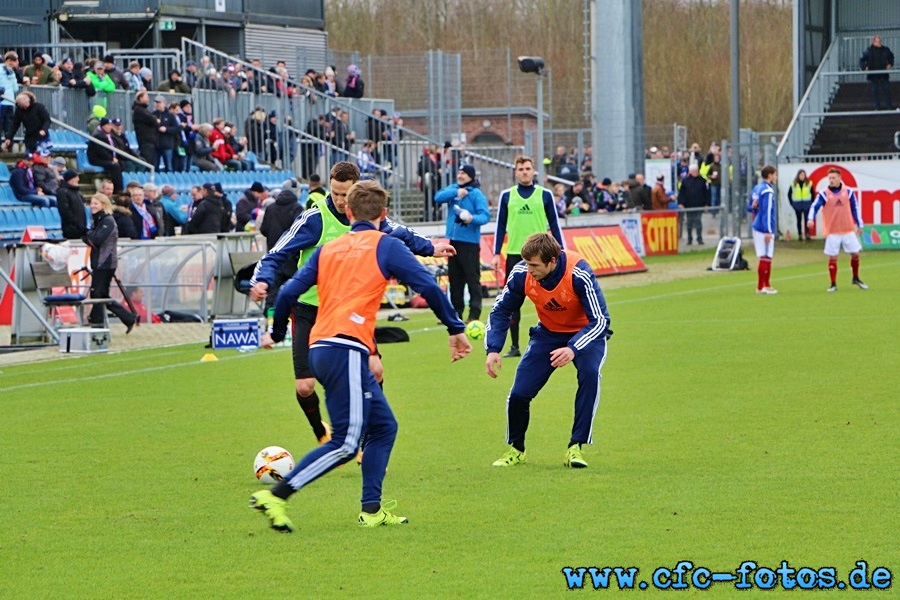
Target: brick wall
[{"x": 511, "y": 131}]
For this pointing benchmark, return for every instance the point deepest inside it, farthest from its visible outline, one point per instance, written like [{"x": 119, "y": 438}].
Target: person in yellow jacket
[{"x": 800, "y": 195}]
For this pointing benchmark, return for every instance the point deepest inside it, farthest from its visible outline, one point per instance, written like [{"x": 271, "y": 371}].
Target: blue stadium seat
[
  {"x": 50, "y": 218},
  {"x": 7, "y": 198},
  {"x": 82, "y": 164},
  {"x": 4, "y": 172}
]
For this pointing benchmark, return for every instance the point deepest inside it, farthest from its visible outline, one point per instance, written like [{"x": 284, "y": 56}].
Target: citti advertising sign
[{"x": 876, "y": 183}]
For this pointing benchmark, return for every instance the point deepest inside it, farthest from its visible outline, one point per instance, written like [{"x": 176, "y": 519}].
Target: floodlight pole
[
  {"x": 539, "y": 159},
  {"x": 735, "y": 109}
]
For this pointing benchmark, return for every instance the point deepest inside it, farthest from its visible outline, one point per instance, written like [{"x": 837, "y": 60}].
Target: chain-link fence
[{"x": 741, "y": 166}]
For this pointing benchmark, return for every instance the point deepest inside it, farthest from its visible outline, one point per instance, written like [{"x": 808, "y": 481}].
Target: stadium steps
[{"x": 857, "y": 134}]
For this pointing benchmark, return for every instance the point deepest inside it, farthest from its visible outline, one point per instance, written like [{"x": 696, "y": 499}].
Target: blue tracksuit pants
[
  {"x": 356, "y": 406},
  {"x": 533, "y": 373}
]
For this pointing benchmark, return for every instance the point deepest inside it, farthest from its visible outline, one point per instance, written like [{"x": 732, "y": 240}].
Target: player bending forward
[{"x": 573, "y": 328}]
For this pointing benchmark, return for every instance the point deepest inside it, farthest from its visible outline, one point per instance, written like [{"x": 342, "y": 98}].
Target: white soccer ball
[{"x": 272, "y": 464}]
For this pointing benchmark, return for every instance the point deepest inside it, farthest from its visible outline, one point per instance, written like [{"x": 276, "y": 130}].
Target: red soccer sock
[
  {"x": 832, "y": 270},
  {"x": 854, "y": 264},
  {"x": 764, "y": 270}
]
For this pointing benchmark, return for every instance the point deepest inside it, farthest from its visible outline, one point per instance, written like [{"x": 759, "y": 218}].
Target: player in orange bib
[
  {"x": 842, "y": 225},
  {"x": 573, "y": 326},
  {"x": 351, "y": 273}
]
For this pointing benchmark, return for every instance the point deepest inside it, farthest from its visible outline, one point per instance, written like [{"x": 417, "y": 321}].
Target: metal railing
[
  {"x": 88, "y": 138},
  {"x": 78, "y": 52},
  {"x": 818, "y": 96},
  {"x": 160, "y": 61},
  {"x": 839, "y": 66},
  {"x": 852, "y": 48}
]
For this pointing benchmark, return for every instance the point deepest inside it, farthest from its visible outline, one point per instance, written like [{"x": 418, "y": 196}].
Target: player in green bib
[
  {"x": 524, "y": 209},
  {"x": 321, "y": 223}
]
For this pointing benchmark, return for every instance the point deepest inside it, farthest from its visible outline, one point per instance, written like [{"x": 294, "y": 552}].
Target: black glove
[{"x": 609, "y": 333}]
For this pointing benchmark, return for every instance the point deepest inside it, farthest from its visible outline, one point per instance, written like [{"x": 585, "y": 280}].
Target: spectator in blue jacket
[
  {"x": 21, "y": 180},
  {"x": 467, "y": 211},
  {"x": 9, "y": 89}
]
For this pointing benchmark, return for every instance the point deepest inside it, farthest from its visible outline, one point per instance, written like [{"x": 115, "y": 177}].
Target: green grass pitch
[{"x": 732, "y": 427}]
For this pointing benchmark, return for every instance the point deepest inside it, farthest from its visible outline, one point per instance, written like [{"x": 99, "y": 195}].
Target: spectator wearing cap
[
  {"x": 59, "y": 165},
  {"x": 34, "y": 118},
  {"x": 9, "y": 84},
  {"x": 21, "y": 180},
  {"x": 658, "y": 197},
  {"x": 209, "y": 214},
  {"x": 146, "y": 128},
  {"x": 603, "y": 197},
  {"x": 467, "y": 211},
  {"x": 38, "y": 72},
  {"x": 174, "y": 84},
  {"x": 188, "y": 131},
  {"x": 222, "y": 150},
  {"x": 201, "y": 149},
  {"x": 70, "y": 204},
  {"x": 355, "y": 86},
  {"x": 238, "y": 144},
  {"x": 114, "y": 72},
  {"x": 291, "y": 185},
  {"x": 103, "y": 157},
  {"x": 249, "y": 206},
  {"x": 133, "y": 77},
  {"x": 146, "y": 78},
  {"x": 175, "y": 213},
  {"x": 169, "y": 133},
  {"x": 124, "y": 146},
  {"x": 102, "y": 83},
  {"x": 191, "y": 73},
  {"x": 71, "y": 76},
  {"x": 46, "y": 177}
]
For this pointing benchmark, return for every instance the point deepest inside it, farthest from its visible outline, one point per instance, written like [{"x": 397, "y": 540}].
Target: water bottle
[{"x": 244, "y": 349}]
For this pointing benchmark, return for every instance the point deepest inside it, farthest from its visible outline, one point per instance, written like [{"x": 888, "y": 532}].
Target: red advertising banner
[
  {"x": 660, "y": 232},
  {"x": 605, "y": 248}
]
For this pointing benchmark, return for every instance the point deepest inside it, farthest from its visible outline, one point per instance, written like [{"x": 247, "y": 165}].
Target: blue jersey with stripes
[{"x": 585, "y": 286}]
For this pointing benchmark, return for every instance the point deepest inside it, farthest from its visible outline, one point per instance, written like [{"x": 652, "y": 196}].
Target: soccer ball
[
  {"x": 272, "y": 464},
  {"x": 475, "y": 330}
]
